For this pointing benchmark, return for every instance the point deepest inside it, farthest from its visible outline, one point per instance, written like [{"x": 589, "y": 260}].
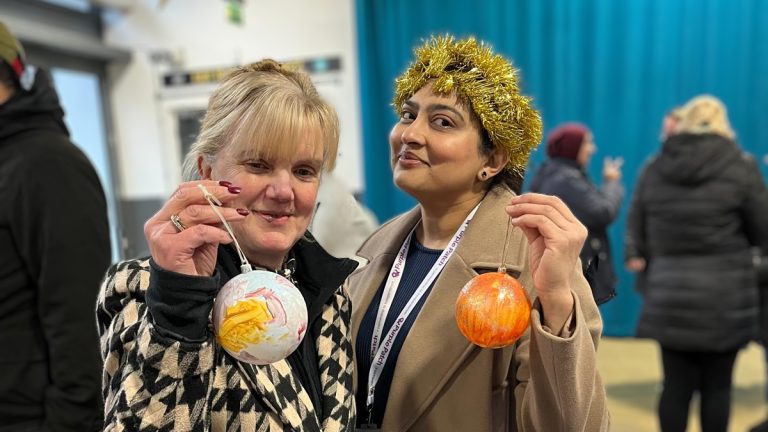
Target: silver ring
[{"x": 177, "y": 223}]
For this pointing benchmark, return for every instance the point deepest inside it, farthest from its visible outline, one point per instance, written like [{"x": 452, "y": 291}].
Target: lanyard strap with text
[{"x": 380, "y": 351}]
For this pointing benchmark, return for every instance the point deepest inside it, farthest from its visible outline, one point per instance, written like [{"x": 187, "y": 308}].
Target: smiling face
[
  {"x": 280, "y": 192},
  {"x": 268, "y": 132},
  {"x": 436, "y": 149}
]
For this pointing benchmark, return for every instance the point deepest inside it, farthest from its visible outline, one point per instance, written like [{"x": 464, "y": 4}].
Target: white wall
[{"x": 199, "y": 36}]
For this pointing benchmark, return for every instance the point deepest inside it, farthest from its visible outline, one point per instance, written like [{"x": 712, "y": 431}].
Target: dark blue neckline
[{"x": 422, "y": 248}]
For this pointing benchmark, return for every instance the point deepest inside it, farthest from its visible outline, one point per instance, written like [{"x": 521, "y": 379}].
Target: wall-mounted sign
[
  {"x": 211, "y": 76},
  {"x": 235, "y": 11}
]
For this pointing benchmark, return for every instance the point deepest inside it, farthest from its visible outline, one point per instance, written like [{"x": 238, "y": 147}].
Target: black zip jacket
[{"x": 54, "y": 250}]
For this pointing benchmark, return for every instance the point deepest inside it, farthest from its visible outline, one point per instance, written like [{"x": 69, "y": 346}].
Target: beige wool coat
[{"x": 442, "y": 382}]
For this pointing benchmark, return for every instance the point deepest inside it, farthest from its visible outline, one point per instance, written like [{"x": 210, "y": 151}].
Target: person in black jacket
[
  {"x": 699, "y": 207},
  {"x": 569, "y": 148},
  {"x": 54, "y": 249},
  {"x": 762, "y": 281},
  {"x": 265, "y": 140}
]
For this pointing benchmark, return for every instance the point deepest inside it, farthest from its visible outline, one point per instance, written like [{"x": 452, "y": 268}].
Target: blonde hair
[
  {"x": 264, "y": 110},
  {"x": 705, "y": 114}
]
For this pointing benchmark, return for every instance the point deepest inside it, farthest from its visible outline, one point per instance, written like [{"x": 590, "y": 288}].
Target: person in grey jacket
[
  {"x": 699, "y": 207},
  {"x": 570, "y": 147}
]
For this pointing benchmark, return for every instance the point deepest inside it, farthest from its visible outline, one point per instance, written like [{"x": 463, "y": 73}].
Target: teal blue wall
[{"x": 616, "y": 66}]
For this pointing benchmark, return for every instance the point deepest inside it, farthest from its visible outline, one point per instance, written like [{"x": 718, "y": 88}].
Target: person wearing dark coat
[
  {"x": 762, "y": 281},
  {"x": 54, "y": 250},
  {"x": 699, "y": 207},
  {"x": 569, "y": 148}
]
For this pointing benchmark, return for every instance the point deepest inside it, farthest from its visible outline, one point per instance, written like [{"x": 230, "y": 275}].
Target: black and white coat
[{"x": 154, "y": 382}]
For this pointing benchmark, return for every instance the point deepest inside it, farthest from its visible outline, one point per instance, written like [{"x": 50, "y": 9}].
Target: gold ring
[{"x": 177, "y": 223}]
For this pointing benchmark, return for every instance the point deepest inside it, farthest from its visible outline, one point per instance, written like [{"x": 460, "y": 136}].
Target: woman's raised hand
[
  {"x": 555, "y": 238},
  {"x": 635, "y": 264},
  {"x": 184, "y": 235},
  {"x": 612, "y": 168}
]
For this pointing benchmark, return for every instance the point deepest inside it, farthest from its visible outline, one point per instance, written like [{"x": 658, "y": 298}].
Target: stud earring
[{"x": 484, "y": 174}]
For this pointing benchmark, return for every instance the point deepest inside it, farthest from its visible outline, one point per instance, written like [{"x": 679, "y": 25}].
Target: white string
[{"x": 245, "y": 266}]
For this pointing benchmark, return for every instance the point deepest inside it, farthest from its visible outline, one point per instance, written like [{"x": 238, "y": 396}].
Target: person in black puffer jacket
[
  {"x": 762, "y": 281},
  {"x": 569, "y": 148},
  {"x": 54, "y": 250},
  {"x": 699, "y": 207}
]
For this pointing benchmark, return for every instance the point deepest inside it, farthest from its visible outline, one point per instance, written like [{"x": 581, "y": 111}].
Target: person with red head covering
[{"x": 569, "y": 149}]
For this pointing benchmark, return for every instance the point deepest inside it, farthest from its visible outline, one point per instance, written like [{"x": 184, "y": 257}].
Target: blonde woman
[
  {"x": 698, "y": 208},
  {"x": 265, "y": 140}
]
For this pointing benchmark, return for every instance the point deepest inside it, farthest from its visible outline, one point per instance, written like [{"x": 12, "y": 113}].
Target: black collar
[{"x": 318, "y": 274}]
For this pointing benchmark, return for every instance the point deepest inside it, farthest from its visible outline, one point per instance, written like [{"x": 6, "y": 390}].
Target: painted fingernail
[
  {"x": 243, "y": 212},
  {"x": 225, "y": 183},
  {"x": 234, "y": 189}
]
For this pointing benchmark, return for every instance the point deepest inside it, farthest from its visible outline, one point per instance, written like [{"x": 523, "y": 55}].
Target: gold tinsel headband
[{"x": 486, "y": 81}]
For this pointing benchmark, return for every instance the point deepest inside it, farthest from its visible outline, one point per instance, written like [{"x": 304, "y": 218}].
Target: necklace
[{"x": 289, "y": 270}]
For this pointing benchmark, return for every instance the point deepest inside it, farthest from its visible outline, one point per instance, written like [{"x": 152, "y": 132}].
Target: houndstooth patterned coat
[{"x": 155, "y": 383}]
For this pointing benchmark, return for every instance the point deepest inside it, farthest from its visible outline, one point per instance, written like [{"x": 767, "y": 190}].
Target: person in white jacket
[{"x": 341, "y": 224}]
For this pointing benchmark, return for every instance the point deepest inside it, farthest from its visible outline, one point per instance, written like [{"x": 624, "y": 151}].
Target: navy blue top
[{"x": 418, "y": 262}]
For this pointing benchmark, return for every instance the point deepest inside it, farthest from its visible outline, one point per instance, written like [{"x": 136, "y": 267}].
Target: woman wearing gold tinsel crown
[{"x": 460, "y": 147}]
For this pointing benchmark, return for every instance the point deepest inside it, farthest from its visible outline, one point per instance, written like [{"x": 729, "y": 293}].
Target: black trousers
[{"x": 709, "y": 373}]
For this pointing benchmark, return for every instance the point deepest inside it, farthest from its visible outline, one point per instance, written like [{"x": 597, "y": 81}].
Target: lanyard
[{"x": 380, "y": 348}]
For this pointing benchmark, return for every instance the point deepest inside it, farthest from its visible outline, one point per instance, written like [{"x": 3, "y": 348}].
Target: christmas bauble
[
  {"x": 259, "y": 317},
  {"x": 493, "y": 310}
]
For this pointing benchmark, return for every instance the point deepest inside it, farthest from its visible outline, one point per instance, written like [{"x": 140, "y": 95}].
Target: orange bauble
[{"x": 493, "y": 310}]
